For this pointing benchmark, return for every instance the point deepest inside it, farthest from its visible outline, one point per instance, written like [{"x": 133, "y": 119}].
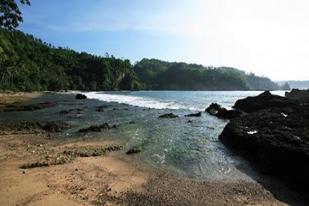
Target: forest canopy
[
  {"x": 29, "y": 64},
  {"x": 161, "y": 75}
]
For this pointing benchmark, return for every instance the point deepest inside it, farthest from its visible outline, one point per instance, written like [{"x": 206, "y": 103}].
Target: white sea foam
[{"x": 146, "y": 102}]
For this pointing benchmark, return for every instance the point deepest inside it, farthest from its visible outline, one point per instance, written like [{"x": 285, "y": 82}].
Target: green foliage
[
  {"x": 28, "y": 64},
  {"x": 10, "y": 15},
  {"x": 160, "y": 75}
]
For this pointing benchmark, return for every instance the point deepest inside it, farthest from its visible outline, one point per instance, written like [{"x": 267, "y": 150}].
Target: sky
[{"x": 267, "y": 37}]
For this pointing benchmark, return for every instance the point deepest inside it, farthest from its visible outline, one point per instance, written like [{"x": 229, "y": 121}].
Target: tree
[
  {"x": 286, "y": 86},
  {"x": 10, "y": 15}
]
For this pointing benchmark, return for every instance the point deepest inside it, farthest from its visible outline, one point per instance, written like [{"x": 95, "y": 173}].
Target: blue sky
[{"x": 266, "y": 37}]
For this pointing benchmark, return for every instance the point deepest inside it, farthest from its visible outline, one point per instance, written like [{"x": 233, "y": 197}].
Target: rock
[
  {"x": 34, "y": 127},
  {"x": 77, "y": 111},
  {"x": 275, "y": 139},
  {"x": 133, "y": 150},
  {"x": 213, "y": 108},
  {"x": 169, "y": 115},
  {"x": 97, "y": 128},
  {"x": 54, "y": 126},
  {"x": 262, "y": 101},
  {"x": 198, "y": 114},
  {"x": 220, "y": 112},
  {"x": 298, "y": 95},
  {"x": 80, "y": 96},
  {"x": 101, "y": 108},
  {"x": 90, "y": 151},
  {"x": 29, "y": 107},
  {"x": 228, "y": 114},
  {"x": 63, "y": 112}
]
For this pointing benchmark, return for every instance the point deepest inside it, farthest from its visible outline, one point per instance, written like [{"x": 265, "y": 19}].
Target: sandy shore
[{"x": 107, "y": 178}]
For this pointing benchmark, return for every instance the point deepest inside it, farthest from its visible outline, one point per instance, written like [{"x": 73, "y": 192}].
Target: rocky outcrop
[
  {"x": 97, "y": 128},
  {"x": 223, "y": 113},
  {"x": 33, "y": 127},
  {"x": 213, "y": 109},
  {"x": 80, "y": 96},
  {"x": 198, "y": 114},
  {"x": 274, "y": 135},
  {"x": 28, "y": 107},
  {"x": 53, "y": 126},
  {"x": 298, "y": 95},
  {"x": 262, "y": 101},
  {"x": 169, "y": 115},
  {"x": 228, "y": 114},
  {"x": 71, "y": 111},
  {"x": 133, "y": 150}
]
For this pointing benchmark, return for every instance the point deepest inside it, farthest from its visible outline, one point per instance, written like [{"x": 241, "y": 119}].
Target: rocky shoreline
[
  {"x": 44, "y": 168},
  {"x": 273, "y": 133}
]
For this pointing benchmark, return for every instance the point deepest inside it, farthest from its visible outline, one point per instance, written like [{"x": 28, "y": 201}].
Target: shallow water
[{"x": 176, "y": 145}]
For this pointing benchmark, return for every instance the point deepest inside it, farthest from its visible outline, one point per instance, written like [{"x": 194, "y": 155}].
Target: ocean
[
  {"x": 185, "y": 146},
  {"x": 189, "y": 148},
  {"x": 191, "y": 100}
]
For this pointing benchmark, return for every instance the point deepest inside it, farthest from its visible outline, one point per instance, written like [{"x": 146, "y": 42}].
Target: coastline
[{"x": 113, "y": 178}]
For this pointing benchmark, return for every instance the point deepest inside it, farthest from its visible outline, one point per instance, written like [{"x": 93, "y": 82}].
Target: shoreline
[{"x": 113, "y": 178}]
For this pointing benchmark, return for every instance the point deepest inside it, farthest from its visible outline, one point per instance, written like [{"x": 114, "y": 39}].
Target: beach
[{"x": 40, "y": 167}]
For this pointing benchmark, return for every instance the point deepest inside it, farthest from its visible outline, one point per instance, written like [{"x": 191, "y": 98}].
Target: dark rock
[
  {"x": 80, "y": 96},
  {"x": 220, "y": 112},
  {"x": 34, "y": 165},
  {"x": 133, "y": 150},
  {"x": 228, "y": 114},
  {"x": 54, "y": 126},
  {"x": 90, "y": 151},
  {"x": 101, "y": 108},
  {"x": 77, "y": 111},
  {"x": 63, "y": 112},
  {"x": 198, "y": 114},
  {"x": 97, "y": 128},
  {"x": 263, "y": 101},
  {"x": 275, "y": 139},
  {"x": 30, "y": 107},
  {"x": 71, "y": 153},
  {"x": 213, "y": 108},
  {"x": 34, "y": 127},
  {"x": 298, "y": 95},
  {"x": 169, "y": 115}
]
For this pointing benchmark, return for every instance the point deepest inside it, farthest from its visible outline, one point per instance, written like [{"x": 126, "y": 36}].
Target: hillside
[
  {"x": 160, "y": 75},
  {"x": 28, "y": 64}
]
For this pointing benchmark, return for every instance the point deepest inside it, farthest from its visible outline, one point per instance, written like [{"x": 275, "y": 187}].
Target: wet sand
[{"x": 111, "y": 178}]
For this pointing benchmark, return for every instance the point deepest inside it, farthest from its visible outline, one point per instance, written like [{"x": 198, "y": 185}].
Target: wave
[{"x": 145, "y": 102}]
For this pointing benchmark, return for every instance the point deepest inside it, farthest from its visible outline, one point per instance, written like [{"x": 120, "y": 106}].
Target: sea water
[{"x": 187, "y": 146}]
